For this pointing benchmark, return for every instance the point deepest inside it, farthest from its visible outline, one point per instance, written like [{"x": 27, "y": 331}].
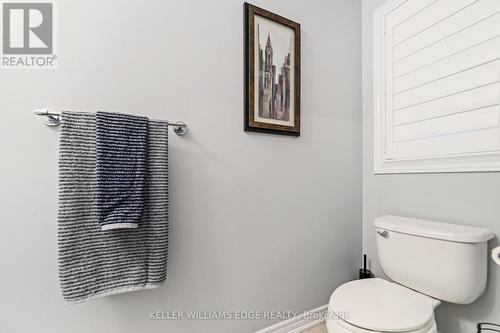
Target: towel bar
[{"x": 53, "y": 118}]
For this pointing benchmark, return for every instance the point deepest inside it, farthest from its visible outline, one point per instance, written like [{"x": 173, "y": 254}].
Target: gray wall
[
  {"x": 471, "y": 199},
  {"x": 258, "y": 222}
]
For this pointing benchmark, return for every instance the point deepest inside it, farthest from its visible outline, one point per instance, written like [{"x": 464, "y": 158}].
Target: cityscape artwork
[{"x": 273, "y": 73}]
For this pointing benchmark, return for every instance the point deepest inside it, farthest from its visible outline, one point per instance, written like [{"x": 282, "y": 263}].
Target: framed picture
[{"x": 272, "y": 73}]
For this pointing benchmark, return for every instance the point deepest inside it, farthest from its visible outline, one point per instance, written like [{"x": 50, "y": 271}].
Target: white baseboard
[{"x": 298, "y": 324}]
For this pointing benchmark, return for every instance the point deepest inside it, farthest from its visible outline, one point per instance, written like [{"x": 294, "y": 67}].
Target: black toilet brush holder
[{"x": 365, "y": 273}]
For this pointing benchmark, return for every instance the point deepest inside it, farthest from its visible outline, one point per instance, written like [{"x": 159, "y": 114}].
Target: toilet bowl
[
  {"x": 379, "y": 306},
  {"x": 428, "y": 261}
]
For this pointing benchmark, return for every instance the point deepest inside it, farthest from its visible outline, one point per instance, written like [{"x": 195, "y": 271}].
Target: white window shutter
[{"x": 437, "y": 86}]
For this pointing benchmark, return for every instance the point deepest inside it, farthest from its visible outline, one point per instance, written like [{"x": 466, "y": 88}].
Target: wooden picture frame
[{"x": 272, "y": 73}]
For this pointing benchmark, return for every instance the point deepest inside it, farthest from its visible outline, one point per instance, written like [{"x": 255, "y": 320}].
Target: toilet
[{"x": 428, "y": 262}]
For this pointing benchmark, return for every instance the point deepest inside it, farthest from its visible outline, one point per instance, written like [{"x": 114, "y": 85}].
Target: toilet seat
[
  {"x": 341, "y": 326},
  {"x": 376, "y": 305}
]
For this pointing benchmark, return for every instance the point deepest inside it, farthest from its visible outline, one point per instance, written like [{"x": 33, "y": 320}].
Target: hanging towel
[
  {"x": 95, "y": 263},
  {"x": 121, "y": 169}
]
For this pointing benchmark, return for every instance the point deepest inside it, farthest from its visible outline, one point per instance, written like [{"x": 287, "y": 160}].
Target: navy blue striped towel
[
  {"x": 95, "y": 263},
  {"x": 121, "y": 169}
]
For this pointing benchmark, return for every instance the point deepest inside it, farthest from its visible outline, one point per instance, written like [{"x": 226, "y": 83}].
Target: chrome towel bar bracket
[{"x": 52, "y": 118}]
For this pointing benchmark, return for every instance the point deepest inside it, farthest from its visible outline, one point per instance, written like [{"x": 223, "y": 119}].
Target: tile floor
[{"x": 320, "y": 328}]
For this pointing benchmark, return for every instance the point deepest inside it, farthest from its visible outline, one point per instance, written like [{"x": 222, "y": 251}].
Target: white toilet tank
[{"x": 442, "y": 260}]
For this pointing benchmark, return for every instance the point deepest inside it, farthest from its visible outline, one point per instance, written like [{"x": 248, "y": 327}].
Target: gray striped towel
[
  {"x": 121, "y": 169},
  {"x": 94, "y": 263}
]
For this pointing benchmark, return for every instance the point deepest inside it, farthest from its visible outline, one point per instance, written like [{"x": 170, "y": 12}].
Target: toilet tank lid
[{"x": 432, "y": 229}]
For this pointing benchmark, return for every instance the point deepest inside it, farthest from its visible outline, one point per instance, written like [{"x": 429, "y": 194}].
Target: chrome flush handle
[{"x": 384, "y": 233}]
